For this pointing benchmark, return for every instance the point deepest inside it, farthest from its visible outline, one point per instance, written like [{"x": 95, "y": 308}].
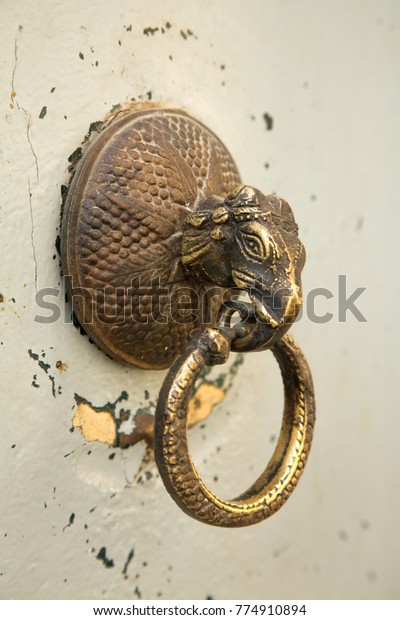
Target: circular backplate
[{"x": 121, "y": 233}]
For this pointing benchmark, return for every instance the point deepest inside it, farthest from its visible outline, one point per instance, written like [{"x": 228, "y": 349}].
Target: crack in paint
[
  {"x": 28, "y": 128},
  {"x": 13, "y": 93},
  {"x": 15, "y": 101},
  {"x": 32, "y": 236}
]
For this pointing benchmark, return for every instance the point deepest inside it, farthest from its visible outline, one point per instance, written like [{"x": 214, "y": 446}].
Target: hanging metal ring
[{"x": 270, "y": 491}]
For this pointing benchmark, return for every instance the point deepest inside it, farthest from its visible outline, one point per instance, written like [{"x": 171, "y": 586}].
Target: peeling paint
[
  {"x": 203, "y": 402},
  {"x": 45, "y": 367},
  {"x": 104, "y": 423},
  {"x": 143, "y": 431},
  {"x": 40, "y": 362},
  {"x": 101, "y": 424},
  {"x": 95, "y": 425},
  {"x": 108, "y": 563},
  {"x": 110, "y": 406}
]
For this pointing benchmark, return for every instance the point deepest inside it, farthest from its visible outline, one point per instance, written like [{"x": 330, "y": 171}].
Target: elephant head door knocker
[{"x": 156, "y": 214}]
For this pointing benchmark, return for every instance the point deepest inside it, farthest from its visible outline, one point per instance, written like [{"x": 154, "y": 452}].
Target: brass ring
[{"x": 270, "y": 491}]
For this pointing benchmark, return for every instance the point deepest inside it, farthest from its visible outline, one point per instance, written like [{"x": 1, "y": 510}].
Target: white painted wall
[{"x": 327, "y": 72}]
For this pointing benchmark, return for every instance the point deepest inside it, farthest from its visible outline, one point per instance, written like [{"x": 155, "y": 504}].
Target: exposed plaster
[
  {"x": 95, "y": 425},
  {"x": 203, "y": 402},
  {"x": 104, "y": 423}
]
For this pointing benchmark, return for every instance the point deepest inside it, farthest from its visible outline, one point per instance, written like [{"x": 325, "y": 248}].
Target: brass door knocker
[{"x": 160, "y": 240}]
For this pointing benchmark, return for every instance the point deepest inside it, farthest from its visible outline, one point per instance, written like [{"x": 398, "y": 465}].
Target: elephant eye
[{"x": 254, "y": 247}]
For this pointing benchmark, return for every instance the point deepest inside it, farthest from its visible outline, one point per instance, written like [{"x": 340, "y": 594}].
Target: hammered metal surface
[{"x": 121, "y": 232}]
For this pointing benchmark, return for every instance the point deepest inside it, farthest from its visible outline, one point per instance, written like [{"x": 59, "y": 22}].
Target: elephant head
[{"x": 248, "y": 241}]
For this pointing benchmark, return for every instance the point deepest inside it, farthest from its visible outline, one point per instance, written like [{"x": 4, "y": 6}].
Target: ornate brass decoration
[
  {"x": 122, "y": 233},
  {"x": 159, "y": 243}
]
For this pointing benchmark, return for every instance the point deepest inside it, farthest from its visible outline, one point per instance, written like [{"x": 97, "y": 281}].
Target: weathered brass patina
[{"x": 160, "y": 241}]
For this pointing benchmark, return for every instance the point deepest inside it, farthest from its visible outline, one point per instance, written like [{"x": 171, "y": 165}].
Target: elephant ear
[
  {"x": 281, "y": 213},
  {"x": 152, "y": 217},
  {"x": 160, "y": 261},
  {"x": 286, "y": 211}
]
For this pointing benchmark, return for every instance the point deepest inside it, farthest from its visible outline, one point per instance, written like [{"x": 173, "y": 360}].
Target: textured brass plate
[{"x": 122, "y": 233}]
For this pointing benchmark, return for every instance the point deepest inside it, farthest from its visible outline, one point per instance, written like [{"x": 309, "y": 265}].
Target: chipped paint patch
[
  {"x": 102, "y": 555},
  {"x": 143, "y": 431},
  {"x": 200, "y": 406},
  {"x": 203, "y": 402},
  {"x": 104, "y": 423},
  {"x": 45, "y": 367},
  {"x": 101, "y": 424},
  {"x": 95, "y": 425}
]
